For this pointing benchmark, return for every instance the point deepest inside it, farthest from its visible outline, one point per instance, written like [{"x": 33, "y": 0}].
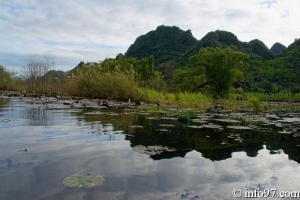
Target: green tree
[{"x": 215, "y": 69}]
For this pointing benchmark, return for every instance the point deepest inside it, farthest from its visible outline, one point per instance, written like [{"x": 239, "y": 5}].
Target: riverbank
[{"x": 181, "y": 100}]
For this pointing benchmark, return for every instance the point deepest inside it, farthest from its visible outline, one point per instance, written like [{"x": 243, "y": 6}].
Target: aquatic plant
[{"x": 82, "y": 180}]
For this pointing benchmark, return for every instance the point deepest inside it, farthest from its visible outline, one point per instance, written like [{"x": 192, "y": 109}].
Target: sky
[{"x": 70, "y": 31}]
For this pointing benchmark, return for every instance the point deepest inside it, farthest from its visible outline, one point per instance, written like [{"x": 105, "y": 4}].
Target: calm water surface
[{"x": 213, "y": 155}]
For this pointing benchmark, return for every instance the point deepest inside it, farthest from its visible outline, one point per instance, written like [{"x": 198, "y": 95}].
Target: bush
[{"x": 111, "y": 86}]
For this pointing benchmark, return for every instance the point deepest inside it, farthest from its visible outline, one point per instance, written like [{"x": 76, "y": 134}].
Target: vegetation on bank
[{"x": 219, "y": 68}]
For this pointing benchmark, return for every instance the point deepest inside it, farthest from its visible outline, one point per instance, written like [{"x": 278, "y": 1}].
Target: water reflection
[
  {"x": 11, "y": 164},
  {"x": 39, "y": 116},
  {"x": 3, "y": 102},
  {"x": 158, "y": 129},
  {"x": 209, "y": 161},
  {"x": 213, "y": 144}
]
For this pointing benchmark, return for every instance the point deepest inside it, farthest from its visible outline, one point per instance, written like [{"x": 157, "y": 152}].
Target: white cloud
[{"x": 93, "y": 30}]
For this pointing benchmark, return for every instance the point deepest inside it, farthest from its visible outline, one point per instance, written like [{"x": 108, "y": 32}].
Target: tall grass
[
  {"x": 151, "y": 96},
  {"x": 282, "y": 96},
  {"x": 183, "y": 99},
  {"x": 255, "y": 103},
  {"x": 188, "y": 99},
  {"x": 116, "y": 86},
  {"x": 231, "y": 103}
]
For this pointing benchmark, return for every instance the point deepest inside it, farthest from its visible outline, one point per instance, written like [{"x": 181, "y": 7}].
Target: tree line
[{"x": 216, "y": 72}]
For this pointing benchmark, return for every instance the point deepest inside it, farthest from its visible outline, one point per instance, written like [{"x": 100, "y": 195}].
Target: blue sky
[{"x": 71, "y": 31}]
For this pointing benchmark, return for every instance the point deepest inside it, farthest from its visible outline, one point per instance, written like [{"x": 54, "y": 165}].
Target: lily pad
[
  {"x": 137, "y": 126},
  {"x": 82, "y": 180},
  {"x": 201, "y": 121},
  {"x": 167, "y": 125},
  {"x": 162, "y": 130},
  {"x": 227, "y": 120},
  {"x": 239, "y": 127},
  {"x": 152, "y": 150},
  {"x": 290, "y": 120},
  {"x": 94, "y": 113},
  {"x": 213, "y": 126},
  {"x": 169, "y": 118},
  {"x": 193, "y": 126}
]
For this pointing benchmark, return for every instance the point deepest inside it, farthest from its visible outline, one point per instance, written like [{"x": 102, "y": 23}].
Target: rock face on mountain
[
  {"x": 171, "y": 43},
  {"x": 277, "y": 48}
]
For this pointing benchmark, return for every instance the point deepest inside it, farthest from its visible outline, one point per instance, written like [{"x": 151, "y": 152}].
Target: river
[{"x": 145, "y": 153}]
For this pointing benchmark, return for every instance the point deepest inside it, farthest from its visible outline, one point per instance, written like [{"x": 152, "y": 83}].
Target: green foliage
[
  {"x": 117, "y": 78},
  {"x": 283, "y": 95},
  {"x": 273, "y": 76},
  {"x": 9, "y": 81},
  {"x": 230, "y": 103},
  {"x": 152, "y": 96},
  {"x": 170, "y": 59},
  {"x": 182, "y": 99},
  {"x": 90, "y": 83},
  {"x": 193, "y": 99},
  {"x": 5, "y": 78},
  {"x": 254, "y": 102},
  {"x": 213, "y": 68},
  {"x": 263, "y": 74}
]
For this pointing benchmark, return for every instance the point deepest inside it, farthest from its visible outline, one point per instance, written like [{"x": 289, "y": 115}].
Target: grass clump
[
  {"x": 188, "y": 99},
  {"x": 255, "y": 103},
  {"x": 231, "y": 103}
]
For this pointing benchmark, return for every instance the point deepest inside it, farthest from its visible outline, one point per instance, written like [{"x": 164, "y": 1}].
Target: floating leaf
[
  {"x": 239, "y": 127},
  {"x": 82, "y": 180}
]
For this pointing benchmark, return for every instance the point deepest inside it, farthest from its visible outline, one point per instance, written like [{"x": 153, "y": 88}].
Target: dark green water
[{"x": 206, "y": 158}]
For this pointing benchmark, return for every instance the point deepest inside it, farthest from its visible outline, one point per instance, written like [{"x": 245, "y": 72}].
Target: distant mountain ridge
[
  {"x": 171, "y": 43},
  {"x": 277, "y": 48},
  {"x": 172, "y": 47}
]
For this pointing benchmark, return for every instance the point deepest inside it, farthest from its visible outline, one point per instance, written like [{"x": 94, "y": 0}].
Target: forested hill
[
  {"x": 295, "y": 44},
  {"x": 165, "y": 43},
  {"x": 171, "y": 43},
  {"x": 277, "y": 48},
  {"x": 223, "y": 39}
]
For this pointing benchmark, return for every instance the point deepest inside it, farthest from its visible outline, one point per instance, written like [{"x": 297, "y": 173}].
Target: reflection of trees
[
  {"x": 208, "y": 142},
  {"x": 39, "y": 116},
  {"x": 100, "y": 119},
  {"x": 3, "y": 103},
  {"x": 290, "y": 146},
  {"x": 216, "y": 145},
  {"x": 151, "y": 134}
]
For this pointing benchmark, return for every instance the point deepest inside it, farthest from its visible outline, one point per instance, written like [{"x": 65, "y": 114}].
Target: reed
[
  {"x": 117, "y": 86},
  {"x": 255, "y": 103},
  {"x": 182, "y": 99}
]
